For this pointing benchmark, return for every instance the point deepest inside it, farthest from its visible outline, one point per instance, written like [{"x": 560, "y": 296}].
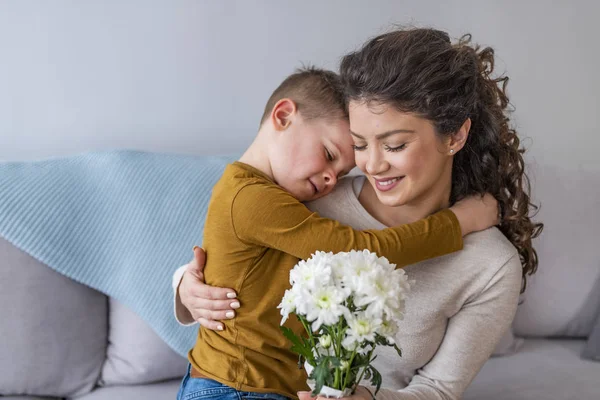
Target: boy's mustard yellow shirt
[{"x": 255, "y": 233}]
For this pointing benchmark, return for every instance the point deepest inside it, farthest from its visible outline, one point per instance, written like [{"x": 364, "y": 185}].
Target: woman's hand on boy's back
[{"x": 206, "y": 304}]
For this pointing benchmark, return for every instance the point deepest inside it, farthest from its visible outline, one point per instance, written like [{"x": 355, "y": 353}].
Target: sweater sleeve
[
  {"x": 270, "y": 217},
  {"x": 469, "y": 341},
  {"x": 182, "y": 315}
]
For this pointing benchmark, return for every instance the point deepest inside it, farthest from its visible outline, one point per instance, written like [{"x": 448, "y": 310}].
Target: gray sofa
[{"x": 62, "y": 339}]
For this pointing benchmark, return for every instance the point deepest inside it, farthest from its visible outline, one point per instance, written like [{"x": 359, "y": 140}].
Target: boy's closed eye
[{"x": 328, "y": 154}]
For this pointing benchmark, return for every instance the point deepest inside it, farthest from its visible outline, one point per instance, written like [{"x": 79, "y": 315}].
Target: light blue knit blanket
[{"x": 120, "y": 222}]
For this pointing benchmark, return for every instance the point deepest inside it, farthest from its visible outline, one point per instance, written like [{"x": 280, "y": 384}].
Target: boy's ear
[
  {"x": 282, "y": 114},
  {"x": 459, "y": 138}
]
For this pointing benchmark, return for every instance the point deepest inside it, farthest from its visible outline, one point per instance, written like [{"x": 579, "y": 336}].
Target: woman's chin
[{"x": 390, "y": 199}]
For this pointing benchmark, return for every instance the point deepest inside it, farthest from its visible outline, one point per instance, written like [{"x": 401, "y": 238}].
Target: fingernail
[
  {"x": 195, "y": 247},
  {"x": 229, "y": 314},
  {"x": 220, "y": 327},
  {"x": 231, "y": 295},
  {"x": 235, "y": 304}
]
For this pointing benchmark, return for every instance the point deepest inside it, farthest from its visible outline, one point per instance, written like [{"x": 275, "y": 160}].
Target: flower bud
[{"x": 325, "y": 341}]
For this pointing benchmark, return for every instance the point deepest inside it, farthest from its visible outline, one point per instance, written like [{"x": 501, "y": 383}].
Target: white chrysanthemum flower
[
  {"x": 388, "y": 329},
  {"x": 377, "y": 289},
  {"x": 339, "y": 268},
  {"x": 326, "y": 306},
  {"x": 383, "y": 292},
  {"x": 325, "y": 341},
  {"x": 325, "y": 285},
  {"x": 361, "y": 328},
  {"x": 386, "y": 264},
  {"x": 287, "y": 305},
  {"x": 314, "y": 272},
  {"x": 302, "y": 299},
  {"x": 358, "y": 263}
]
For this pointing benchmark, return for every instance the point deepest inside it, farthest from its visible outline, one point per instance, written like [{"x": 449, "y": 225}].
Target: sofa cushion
[
  {"x": 156, "y": 391},
  {"x": 54, "y": 328},
  {"x": 591, "y": 351},
  {"x": 135, "y": 354},
  {"x": 28, "y": 398},
  {"x": 508, "y": 344},
  {"x": 560, "y": 299},
  {"x": 542, "y": 369}
]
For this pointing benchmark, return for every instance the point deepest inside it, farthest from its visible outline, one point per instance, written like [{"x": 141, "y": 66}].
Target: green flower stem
[
  {"x": 308, "y": 330},
  {"x": 364, "y": 369},
  {"x": 329, "y": 332},
  {"x": 338, "y": 338},
  {"x": 349, "y": 368},
  {"x": 338, "y": 331},
  {"x": 336, "y": 382}
]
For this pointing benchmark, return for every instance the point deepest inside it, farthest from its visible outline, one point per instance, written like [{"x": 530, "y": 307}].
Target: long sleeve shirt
[
  {"x": 255, "y": 232},
  {"x": 457, "y": 311}
]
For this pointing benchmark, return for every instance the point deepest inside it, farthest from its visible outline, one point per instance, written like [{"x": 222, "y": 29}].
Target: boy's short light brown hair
[{"x": 318, "y": 94}]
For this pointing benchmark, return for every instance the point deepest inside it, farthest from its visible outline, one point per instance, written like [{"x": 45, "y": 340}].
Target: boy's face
[{"x": 309, "y": 157}]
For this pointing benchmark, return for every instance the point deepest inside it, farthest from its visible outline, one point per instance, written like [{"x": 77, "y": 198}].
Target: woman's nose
[{"x": 376, "y": 163}]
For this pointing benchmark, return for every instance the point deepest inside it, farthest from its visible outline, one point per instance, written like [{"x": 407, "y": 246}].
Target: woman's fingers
[
  {"x": 207, "y": 304},
  {"x": 212, "y": 325},
  {"x": 213, "y": 309},
  {"x": 208, "y": 292},
  {"x": 212, "y": 315},
  {"x": 305, "y": 396},
  {"x": 216, "y": 305},
  {"x": 361, "y": 394}
]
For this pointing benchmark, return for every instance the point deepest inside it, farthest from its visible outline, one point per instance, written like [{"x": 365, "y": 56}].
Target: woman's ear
[
  {"x": 283, "y": 113},
  {"x": 459, "y": 138}
]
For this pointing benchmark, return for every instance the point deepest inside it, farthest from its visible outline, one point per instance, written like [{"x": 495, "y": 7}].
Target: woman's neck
[{"x": 406, "y": 213}]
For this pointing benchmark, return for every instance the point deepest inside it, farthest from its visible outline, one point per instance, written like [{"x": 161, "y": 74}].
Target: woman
[{"x": 430, "y": 127}]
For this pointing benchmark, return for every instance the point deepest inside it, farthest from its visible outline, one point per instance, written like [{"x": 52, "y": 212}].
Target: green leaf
[
  {"x": 361, "y": 360},
  {"x": 398, "y": 350},
  {"x": 300, "y": 346},
  {"x": 367, "y": 373},
  {"x": 322, "y": 374},
  {"x": 376, "y": 379},
  {"x": 381, "y": 340}
]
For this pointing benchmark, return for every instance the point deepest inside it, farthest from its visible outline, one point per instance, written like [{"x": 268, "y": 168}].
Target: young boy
[{"x": 257, "y": 229}]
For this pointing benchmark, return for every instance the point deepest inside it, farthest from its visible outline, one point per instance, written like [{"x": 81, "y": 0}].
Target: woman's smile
[{"x": 387, "y": 184}]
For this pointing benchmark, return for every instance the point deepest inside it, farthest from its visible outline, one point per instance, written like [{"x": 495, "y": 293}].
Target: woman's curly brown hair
[{"x": 421, "y": 72}]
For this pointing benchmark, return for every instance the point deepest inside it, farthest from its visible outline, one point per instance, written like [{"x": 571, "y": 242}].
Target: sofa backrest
[
  {"x": 563, "y": 297},
  {"x": 53, "y": 330},
  {"x": 58, "y": 328}
]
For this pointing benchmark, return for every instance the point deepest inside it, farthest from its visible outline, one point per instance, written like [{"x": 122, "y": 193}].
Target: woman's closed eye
[
  {"x": 387, "y": 148},
  {"x": 397, "y": 148}
]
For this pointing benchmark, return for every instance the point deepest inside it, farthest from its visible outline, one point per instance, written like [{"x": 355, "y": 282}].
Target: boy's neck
[{"x": 257, "y": 156}]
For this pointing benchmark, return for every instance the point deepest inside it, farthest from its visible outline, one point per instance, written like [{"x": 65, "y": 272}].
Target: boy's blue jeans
[{"x": 207, "y": 389}]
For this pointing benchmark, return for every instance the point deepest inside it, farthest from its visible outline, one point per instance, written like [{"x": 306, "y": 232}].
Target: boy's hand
[
  {"x": 206, "y": 304},
  {"x": 476, "y": 213}
]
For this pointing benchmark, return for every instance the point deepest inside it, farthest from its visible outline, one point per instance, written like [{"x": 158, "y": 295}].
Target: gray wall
[{"x": 193, "y": 76}]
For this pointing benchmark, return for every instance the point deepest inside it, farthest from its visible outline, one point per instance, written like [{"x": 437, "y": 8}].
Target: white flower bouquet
[{"x": 348, "y": 303}]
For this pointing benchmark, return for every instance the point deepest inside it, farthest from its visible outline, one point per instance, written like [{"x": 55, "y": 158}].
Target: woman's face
[{"x": 404, "y": 159}]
